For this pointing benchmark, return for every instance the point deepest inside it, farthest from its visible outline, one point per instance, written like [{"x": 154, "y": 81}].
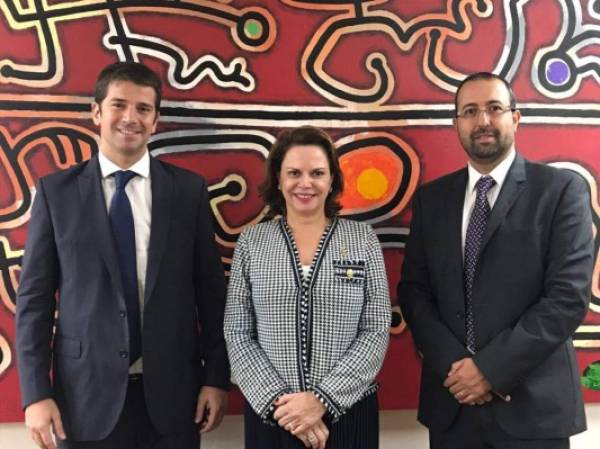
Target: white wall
[{"x": 399, "y": 429}]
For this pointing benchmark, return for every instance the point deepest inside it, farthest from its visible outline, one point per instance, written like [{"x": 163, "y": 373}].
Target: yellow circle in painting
[{"x": 372, "y": 184}]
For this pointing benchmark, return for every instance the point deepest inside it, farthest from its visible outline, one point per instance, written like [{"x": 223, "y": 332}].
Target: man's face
[
  {"x": 487, "y": 137},
  {"x": 127, "y": 118}
]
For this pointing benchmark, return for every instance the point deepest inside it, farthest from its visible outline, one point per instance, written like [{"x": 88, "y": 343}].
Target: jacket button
[
  {"x": 122, "y": 314},
  {"x": 124, "y": 354},
  {"x": 459, "y": 315}
]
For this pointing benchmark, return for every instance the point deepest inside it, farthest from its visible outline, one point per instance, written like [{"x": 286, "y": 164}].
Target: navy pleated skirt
[{"x": 358, "y": 428}]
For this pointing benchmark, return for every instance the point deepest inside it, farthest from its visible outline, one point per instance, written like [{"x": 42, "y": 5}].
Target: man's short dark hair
[
  {"x": 127, "y": 71},
  {"x": 486, "y": 76},
  {"x": 303, "y": 135}
]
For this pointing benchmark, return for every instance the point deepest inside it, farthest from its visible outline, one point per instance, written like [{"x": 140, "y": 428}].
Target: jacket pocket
[{"x": 349, "y": 271}]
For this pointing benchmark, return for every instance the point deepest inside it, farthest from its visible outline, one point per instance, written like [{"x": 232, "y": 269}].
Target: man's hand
[
  {"x": 212, "y": 404},
  {"x": 297, "y": 412},
  {"x": 467, "y": 383},
  {"x": 316, "y": 436},
  {"x": 42, "y": 418}
]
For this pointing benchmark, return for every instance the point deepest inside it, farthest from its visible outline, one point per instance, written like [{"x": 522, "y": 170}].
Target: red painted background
[{"x": 49, "y": 60}]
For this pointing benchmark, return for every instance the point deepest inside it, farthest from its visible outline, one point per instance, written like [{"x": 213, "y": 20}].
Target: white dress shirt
[
  {"x": 499, "y": 174},
  {"x": 139, "y": 192}
]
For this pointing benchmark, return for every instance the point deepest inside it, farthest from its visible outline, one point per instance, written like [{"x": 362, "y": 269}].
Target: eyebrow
[
  {"x": 291, "y": 167},
  {"x": 123, "y": 100},
  {"x": 477, "y": 104}
]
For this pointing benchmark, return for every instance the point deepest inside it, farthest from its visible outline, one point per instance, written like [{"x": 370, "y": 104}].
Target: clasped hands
[
  {"x": 301, "y": 414},
  {"x": 467, "y": 383}
]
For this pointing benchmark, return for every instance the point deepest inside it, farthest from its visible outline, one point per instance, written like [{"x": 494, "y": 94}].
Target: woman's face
[{"x": 305, "y": 180}]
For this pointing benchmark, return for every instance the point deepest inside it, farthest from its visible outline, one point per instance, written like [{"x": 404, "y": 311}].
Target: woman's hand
[
  {"x": 298, "y": 412},
  {"x": 316, "y": 436}
]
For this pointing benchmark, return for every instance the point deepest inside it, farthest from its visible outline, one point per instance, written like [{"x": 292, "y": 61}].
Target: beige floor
[{"x": 399, "y": 430}]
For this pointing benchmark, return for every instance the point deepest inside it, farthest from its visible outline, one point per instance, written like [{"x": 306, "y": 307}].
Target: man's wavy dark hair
[{"x": 127, "y": 71}]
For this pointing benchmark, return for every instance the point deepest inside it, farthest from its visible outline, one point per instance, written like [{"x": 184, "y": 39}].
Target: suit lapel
[
  {"x": 511, "y": 189},
  {"x": 162, "y": 199},
  {"x": 454, "y": 211},
  {"x": 93, "y": 205}
]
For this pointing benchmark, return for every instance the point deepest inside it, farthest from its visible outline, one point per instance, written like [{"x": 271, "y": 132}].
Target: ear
[
  {"x": 96, "y": 113},
  {"x": 155, "y": 121},
  {"x": 516, "y": 116}
]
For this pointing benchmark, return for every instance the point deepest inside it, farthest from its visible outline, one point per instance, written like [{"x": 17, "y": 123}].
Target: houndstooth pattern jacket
[{"x": 326, "y": 332}]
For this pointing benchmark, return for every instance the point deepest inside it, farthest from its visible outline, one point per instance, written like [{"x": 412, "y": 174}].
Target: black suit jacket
[
  {"x": 530, "y": 293},
  {"x": 70, "y": 256}
]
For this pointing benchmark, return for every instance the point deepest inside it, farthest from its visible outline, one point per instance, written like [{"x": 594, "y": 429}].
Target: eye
[
  {"x": 293, "y": 173},
  {"x": 495, "y": 109},
  {"x": 144, "y": 109},
  {"x": 469, "y": 112},
  {"x": 318, "y": 173}
]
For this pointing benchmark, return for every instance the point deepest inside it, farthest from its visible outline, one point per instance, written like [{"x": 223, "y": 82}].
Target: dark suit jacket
[
  {"x": 70, "y": 252},
  {"x": 530, "y": 293}
]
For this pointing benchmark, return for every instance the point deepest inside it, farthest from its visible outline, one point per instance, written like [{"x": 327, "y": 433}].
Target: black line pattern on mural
[
  {"x": 120, "y": 38},
  {"x": 7, "y": 263},
  {"x": 378, "y": 62},
  {"x": 166, "y": 145},
  {"x": 128, "y": 45},
  {"x": 586, "y": 336},
  {"x": 5, "y": 356},
  {"x": 275, "y": 114},
  {"x": 360, "y": 19},
  {"x": 41, "y": 17},
  {"x": 234, "y": 75},
  {"x": 59, "y": 153},
  {"x": 558, "y": 70}
]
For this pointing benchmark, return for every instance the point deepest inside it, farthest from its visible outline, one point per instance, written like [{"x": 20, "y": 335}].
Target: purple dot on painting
[{"x": 557, "y": 72}]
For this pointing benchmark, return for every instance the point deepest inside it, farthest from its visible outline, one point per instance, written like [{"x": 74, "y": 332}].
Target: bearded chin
[
  {"x": 492, "y": 151},
  {"x": 485, "y": 152}
]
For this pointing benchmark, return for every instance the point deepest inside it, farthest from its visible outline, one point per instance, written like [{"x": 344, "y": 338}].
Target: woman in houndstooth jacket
[{"x": 308, "y": 308}]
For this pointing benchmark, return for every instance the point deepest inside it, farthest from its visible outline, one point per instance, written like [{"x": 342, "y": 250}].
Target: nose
[
  {"x": 483, "y": 118},
  {"x": 304, "y": 180},
  {"x": 129, "y": 114}
]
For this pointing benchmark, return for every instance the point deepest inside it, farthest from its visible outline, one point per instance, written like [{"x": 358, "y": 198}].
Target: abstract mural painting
[{"x": 378, "y": 75}]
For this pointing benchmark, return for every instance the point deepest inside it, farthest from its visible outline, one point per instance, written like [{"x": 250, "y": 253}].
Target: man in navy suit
[
  {"x": 122, "y": 291},
  {"x": 496, "y": 280}
]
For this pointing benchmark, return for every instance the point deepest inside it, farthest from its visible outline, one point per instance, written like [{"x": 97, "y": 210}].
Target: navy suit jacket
[
  {"x": 531, "y": 291},
  {"x": 70, "y": 280}
]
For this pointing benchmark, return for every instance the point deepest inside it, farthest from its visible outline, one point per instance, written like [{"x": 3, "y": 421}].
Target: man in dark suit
[
  {"x": 121, "y": 261},
  {"x": 496, "y": 279}
]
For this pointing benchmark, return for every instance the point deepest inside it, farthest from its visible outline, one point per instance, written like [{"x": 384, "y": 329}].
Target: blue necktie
[
  {"x": 475, "y": 230},
  {"x": 121, "y": 220}
]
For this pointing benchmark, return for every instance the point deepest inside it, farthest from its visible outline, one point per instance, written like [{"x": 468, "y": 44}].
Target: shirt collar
[
  {"x": 108, "y": 167},
  {"x": 498, "y": 173}
]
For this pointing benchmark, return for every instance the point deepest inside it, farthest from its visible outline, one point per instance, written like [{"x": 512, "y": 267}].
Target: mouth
[
  {"x": 484, "y": 137},
  {"x": 129, "y": 132},
  {"x": 304, "y": 196}
]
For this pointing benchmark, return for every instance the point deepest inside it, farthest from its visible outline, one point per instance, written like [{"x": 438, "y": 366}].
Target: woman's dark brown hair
[{"x": 304, "y": 135}]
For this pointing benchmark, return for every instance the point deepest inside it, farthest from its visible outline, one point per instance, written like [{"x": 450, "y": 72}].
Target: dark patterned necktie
[
  {"x": 121, "y": 220},
  {"x": 475, "y": 230}
]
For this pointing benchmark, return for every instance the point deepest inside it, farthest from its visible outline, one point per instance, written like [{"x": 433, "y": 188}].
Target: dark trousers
[
  {"x": 134, "y": 430},
  {"x": 358, "y": 428},
  {"x": 476, "y": 428}
]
